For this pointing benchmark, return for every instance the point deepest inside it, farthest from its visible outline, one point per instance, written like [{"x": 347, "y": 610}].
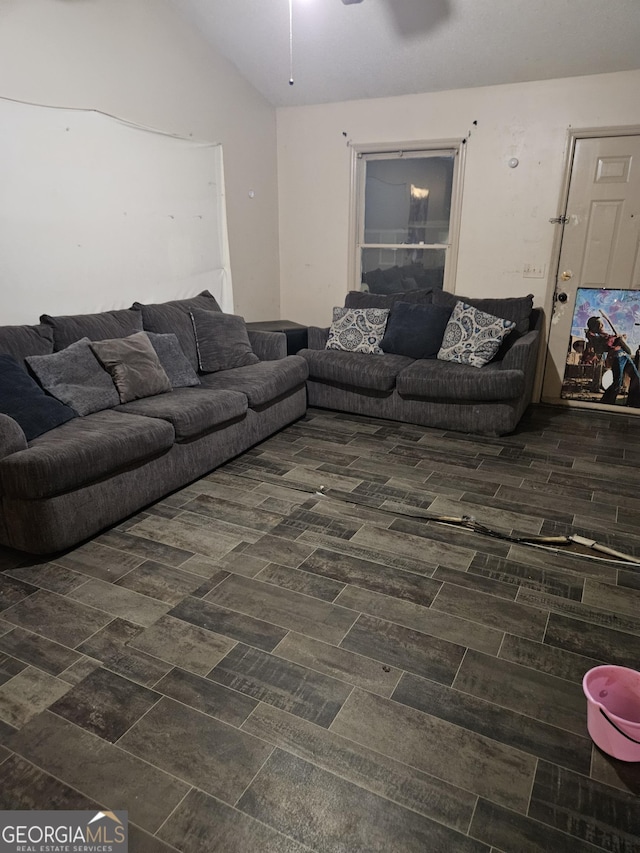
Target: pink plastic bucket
[{"x": 613, "y": 710}]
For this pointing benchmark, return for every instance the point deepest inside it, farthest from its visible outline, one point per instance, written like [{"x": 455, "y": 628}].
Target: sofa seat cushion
[
  {"x": 262, "y": 382},
  {"x": 447, "y": 380},
  {"x": 191, "y": 411},
  {"x": 355, "y": 368},
  {"x": 82, "y": 451}
]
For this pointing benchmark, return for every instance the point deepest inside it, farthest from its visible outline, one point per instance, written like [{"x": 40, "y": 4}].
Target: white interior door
[{"x": 598, "y": 277}]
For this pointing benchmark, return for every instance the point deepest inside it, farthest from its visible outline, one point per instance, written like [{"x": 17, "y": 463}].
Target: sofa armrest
[
  {"x": 268, "y": 346},
  {"x": 317, "y": 337},
  {"x": 523, "y": 354},
  {"x": 12, "y": 438}
]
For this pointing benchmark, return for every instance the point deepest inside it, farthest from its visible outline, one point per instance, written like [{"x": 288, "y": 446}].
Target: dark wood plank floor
[{"x": 250, "y": 665}]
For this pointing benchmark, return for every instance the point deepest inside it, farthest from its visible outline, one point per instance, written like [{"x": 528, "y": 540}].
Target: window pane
[
  {"x": 391, "y": 270},
  {"x": 408, "y": 200}
]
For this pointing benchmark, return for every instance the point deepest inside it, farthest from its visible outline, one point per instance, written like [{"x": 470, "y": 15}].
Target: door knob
[{"x": 566, "y": 275}]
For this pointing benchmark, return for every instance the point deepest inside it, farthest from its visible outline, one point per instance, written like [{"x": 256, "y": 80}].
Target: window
[{"x": 406, "y": 218}]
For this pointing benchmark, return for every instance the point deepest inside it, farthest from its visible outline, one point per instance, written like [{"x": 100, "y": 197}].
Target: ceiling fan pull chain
[{"x": 291, "y": 42}]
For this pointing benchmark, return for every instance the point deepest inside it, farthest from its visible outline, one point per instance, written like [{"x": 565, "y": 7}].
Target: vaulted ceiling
[{"x": 378, "y": 48}]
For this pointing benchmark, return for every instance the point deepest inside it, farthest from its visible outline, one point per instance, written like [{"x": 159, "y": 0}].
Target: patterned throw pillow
[
  {"x": 473, "y": 337},
  {"x": 357, "y": 329}
]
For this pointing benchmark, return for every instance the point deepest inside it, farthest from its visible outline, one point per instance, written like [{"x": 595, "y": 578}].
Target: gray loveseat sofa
[
  {"x": 489, "y": 400},
  {"x": 92, "y": 471}
]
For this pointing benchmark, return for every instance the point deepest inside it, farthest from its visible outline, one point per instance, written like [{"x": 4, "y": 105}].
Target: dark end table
[{"x": 296, "y": 333}]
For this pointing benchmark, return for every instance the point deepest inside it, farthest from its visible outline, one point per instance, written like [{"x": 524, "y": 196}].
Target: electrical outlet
[{"x": 533, "y": 271}]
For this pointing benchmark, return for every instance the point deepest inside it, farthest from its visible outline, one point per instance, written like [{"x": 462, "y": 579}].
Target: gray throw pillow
[
  {"x": 134, "y": 366},
  {"x": 415, "y": 330},
  {"x": 222, "y": 341},
  {"x": 174, "y": 362},
  {"x": 75, "y": 377}
]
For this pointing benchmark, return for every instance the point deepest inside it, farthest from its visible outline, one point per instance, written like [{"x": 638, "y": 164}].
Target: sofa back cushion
[
  {"x": 517, "y": 308},
  {"x": 75, "y": 377},
  {"x": 24, "y": 400},
  {"x": 364, "y": 299},
  {"x": 21, "y": 341},
  {"x": 174, "y": 317},
  {"x": 107, "y": 324}
]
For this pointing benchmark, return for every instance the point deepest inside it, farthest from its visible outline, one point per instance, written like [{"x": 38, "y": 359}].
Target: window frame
[{"x": 360, "y": 153}]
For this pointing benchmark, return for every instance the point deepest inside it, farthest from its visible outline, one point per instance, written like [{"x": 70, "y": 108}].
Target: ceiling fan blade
[{"x": 349, "y": 2}]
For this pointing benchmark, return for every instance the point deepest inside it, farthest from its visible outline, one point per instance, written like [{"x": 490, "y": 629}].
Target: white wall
[
  {"x": 142, "y": 62},
  {"x": 505, "y": 212},
  {"x": 89, "y": 198}
]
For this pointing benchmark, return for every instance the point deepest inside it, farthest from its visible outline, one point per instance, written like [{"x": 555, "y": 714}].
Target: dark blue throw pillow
[
  {"x": 415, "y": 330},
  {"x": 24, "y": 400}
]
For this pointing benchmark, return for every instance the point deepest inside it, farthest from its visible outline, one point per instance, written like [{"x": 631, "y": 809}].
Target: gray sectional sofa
[
  {"x": 89, "y": 472},
  {"x": 489, "y": 400},
  {"x": 99, "y": 450}
]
